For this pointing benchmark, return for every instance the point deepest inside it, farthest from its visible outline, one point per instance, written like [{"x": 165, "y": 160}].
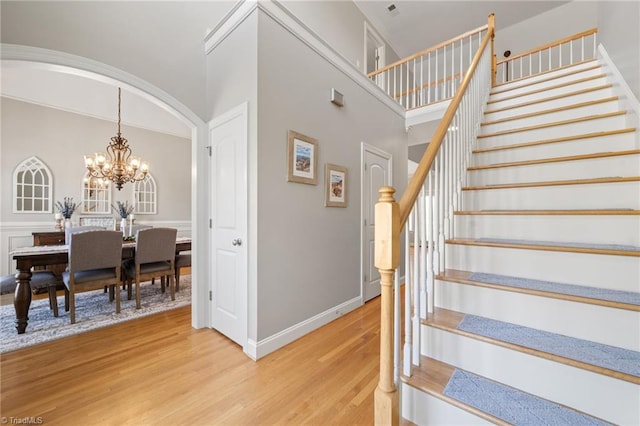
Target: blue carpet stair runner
[
  {"x": 628, "y": 297},
  {"x": 620, "y": 247},
  {"x": 511, "y": 405},
  {"x": 605, "y": 356}
]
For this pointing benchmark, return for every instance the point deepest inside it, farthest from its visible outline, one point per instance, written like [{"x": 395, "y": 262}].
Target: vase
[
  {"x": 123, "y": 226},
  {"x": 67, "y": 223}
]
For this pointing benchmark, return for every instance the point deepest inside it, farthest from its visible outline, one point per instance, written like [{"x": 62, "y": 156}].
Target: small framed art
[
  {"x": 302, "y": 158},
  {"x": 335, "y": 186}
]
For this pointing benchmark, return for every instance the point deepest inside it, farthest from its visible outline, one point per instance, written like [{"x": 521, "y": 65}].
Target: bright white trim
[
  {"x": 257, "y": 350},
  {"x": 229, "y": 23}
]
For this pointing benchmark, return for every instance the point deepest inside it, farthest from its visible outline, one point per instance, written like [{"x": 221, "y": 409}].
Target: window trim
[
  {"x": 148, "y": 180},
  {"x": 30, "y": 164}
]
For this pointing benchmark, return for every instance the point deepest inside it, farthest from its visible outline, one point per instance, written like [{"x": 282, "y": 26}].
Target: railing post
[
  {"x": 387, "y": 258},
  {"x": 494, "y": 62}
]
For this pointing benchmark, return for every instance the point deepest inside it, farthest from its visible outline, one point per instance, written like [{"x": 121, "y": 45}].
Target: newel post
[{"x": 387, "y": 258}]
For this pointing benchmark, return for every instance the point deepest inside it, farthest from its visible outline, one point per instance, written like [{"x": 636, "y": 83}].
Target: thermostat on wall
[{"x": 336, "y": 97}]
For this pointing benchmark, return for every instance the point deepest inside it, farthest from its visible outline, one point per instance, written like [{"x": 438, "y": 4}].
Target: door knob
[{"x": 237, "y": 242}]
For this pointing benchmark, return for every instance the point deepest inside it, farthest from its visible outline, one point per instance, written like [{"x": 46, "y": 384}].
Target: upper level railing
[
  {"x": 430, "y": 199},
  {"x": 431, "y": 75},
  {"x": 567, "y": 51}
]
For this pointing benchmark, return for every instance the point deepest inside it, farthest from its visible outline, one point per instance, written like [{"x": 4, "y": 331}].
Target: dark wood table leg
[{"x": 22, "y": 299}]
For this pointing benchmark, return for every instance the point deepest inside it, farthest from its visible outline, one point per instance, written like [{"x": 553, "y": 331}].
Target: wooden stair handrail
[
  {"x": 390, "y": 218},
  {"x": 427, "y": 50},
  {"x": 410, "y": 195},
  {"x": 549, "y": 45}
]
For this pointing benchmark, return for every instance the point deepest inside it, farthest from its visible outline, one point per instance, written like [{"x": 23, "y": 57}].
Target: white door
[
  {"x": 228, "y": 223},
  {"x": 376, "y": 172},
  {"x": 374, "y": 54}
]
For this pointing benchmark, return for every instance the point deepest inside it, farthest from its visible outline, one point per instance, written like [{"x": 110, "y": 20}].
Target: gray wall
[
  {"x": 340, "y": 24},
  {"x": 309, "y": 255},
  {"x": 60, "y": 139},
  {"x": 619, "y": 33}
]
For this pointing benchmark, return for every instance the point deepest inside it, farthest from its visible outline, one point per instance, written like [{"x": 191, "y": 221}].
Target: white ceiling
[
  {"x": 413, "y": 26},
  {"x": 416, "y": 25},
  {"x": 82, "y": 95}
]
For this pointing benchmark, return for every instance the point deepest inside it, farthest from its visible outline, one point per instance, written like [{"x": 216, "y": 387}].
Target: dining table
[{"x": 28, "y": 257}]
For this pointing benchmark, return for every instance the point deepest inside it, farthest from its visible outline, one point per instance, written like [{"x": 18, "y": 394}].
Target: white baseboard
[{"x": 257, "y": 350}]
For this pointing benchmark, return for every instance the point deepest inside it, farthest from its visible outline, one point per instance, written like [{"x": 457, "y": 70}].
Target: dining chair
[
  {"x": 154, "y": 258},
  {"x": 182, "y": 260},
  {"x": 133, "y": 229},
  {"x": 95, "y": 261},
  {"x": 39, "y": 280},
  {"x": 69, "y": 231}
]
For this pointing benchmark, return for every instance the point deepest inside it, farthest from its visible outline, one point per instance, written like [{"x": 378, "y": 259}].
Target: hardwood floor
[{"x": 158, "y": 370}]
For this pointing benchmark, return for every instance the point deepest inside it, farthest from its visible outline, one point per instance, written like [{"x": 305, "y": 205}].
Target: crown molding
[{"x": 283, "y": 17}]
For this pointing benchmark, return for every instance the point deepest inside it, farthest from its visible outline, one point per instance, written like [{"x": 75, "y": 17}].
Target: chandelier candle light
[{"x": 117, "y": 164}]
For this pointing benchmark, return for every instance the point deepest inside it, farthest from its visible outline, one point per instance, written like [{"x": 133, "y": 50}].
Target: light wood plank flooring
[{"x": 159, "y": 371}]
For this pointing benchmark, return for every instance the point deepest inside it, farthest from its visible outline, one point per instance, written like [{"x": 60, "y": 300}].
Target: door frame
[
  {"x": 371, "y": 34},
  {"x": 243, "y": 111},
  {"x": 365, "y": 147}
]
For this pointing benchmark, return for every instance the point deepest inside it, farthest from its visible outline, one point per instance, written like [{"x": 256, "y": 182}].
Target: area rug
[
  {"x": 93, "y": 310},
  {"x": 605, "y": 356},
  {"x": 512, "y": 405}
]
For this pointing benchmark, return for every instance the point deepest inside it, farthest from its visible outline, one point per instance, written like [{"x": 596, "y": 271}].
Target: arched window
[
  {"x": 32, "y": 187},
  {"x": 145, "y": 198},
  {"x": 96, "y": 195}
]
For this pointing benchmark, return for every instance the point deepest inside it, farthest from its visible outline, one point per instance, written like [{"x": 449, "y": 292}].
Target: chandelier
[{"x": 117, "y": 164}]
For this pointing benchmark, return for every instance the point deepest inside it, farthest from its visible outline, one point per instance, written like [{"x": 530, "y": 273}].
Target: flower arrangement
[
  {"x": 67, "y": 207},
  {"x": 123, "y": 209}
]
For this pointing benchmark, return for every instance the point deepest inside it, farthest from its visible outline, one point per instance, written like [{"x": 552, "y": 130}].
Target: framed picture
[
  {"x": 302, "y": 159},
  {"x": 335, "y": 186}
]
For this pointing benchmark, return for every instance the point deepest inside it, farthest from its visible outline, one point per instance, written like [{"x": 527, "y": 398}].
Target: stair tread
[
  {"x": 551, "y": 98},
  {"x": 556, "y": 140},
  {"x": 552, "y": 124},
  {"x": 546, "y": 89},
  {"x": 577, "y": 212},
  {"x": 557, "y": 73},
  {"x": 550, "y": 111},
  {"x": 556, "y": 159},
  {"x": 613, "y": 179},
  {"x": 578, "y": 293},
  {"x": 573, "y": 247},
  {"x": 623, "y": 364}
]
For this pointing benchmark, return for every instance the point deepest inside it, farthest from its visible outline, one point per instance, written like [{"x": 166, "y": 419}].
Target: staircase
[{"x": 539, "y": 305}]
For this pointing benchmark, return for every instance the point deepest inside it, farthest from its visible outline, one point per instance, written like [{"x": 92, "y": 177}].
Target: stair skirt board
[
  {"x": 627, "y": 297},
  {"x": 511, "y": 405},
  {"x": 598, "y": 395}
]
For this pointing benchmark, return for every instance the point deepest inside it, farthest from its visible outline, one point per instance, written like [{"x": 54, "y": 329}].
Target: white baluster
[
  {"x": 429, "y": 237},
  {"x": 408, "y": 284}
]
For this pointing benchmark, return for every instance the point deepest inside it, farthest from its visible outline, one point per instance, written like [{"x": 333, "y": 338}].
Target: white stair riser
[
  {"x": 609, "y": 326},
  {"x": 529, "y": 85},
  {"x": 421, "y": 408},
  {"x": 595, "y": 394},
  {"x": 617, "y": 142},
  {"x": 567, "y": 114},
  {"x": 602, "y": 124},
  {"x": 509, "y": 100},
  {"x": 624, "y": 165},
  {"x": 593, "y": 270},
  {"x": 576, "y": 69},
  {"x": 603, "y": 229},
  {"x": 624, "y": 195},
  {"x": 548, "y": 104}
]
